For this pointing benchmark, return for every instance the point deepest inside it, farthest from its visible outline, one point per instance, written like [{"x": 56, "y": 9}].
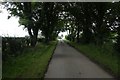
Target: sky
[
  {"x": 63, "y": 33},
  {"x": 10, "y": 27}
]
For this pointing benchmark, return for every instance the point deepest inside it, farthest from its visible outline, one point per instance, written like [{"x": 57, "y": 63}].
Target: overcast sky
[{"x": 10, "y": 26}]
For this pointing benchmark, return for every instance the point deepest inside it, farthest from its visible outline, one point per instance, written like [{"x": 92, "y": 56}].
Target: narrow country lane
[{"x": 69, "y": 63}]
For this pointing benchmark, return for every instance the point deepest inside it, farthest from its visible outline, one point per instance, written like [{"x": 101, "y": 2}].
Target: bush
[{"x": 12, "y": 46}]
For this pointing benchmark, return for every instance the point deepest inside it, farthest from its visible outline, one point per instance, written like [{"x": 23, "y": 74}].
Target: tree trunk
[
  {"x": 78, "y": 32},
  {"x": 33, "y": 36},
  {"x": 33, "y": 41}
]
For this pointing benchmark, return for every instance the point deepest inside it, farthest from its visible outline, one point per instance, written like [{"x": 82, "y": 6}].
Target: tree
[{"x": 25, "y": 11}]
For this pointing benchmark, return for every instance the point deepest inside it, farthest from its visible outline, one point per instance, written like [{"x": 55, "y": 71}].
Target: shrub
[{"x": 12, "y": 46}]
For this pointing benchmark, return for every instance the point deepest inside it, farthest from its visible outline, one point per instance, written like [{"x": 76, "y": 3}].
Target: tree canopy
[{"x": 86, "y": 22}]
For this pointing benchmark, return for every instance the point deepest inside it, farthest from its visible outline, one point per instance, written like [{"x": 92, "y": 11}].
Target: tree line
[
  {"x": 93, "y": 22},
  {"x": 96, "y": 23}
]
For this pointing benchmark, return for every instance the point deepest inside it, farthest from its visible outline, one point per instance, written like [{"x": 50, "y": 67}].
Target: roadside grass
[
  {"x": 31, "y": 64},
  {"x": 105, "y": 55}
]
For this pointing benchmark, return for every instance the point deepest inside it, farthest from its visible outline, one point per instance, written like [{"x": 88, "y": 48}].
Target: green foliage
[
  {"x": 104, "y": 55},
  {"x": 13, "y": 46},
  {"x": 31, "y": 64},
  {"x": 77, "y": 18},
  {"x": 23, "y": 21}
]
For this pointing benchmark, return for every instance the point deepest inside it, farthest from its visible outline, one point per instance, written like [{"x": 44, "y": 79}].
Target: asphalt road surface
[{"x": 67, "y": 62}]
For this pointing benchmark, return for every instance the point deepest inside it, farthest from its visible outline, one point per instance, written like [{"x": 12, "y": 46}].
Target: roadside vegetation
[
  {"x": 104, "y": 55},
  {"x": 32, "y": 63},
  {"x": 94, "y": 27},
  {"x": 14, "y": 46}
]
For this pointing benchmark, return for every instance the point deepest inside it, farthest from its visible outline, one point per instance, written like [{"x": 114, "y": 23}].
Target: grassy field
[
  {"x": 105, "y": 56},
  {"x": 31, "y": 64}
]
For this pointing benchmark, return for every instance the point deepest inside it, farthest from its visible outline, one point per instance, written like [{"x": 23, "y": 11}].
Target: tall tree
[{"x": 25, "y": 11}]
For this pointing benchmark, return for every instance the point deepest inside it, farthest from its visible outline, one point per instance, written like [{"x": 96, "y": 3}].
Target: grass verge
[
  {"x": 105, "y": 56},
  {"x": 31, "y": 64}
]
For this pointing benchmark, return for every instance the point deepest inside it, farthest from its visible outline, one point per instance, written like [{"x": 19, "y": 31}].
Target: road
[{"x": 67, "y": 62}]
